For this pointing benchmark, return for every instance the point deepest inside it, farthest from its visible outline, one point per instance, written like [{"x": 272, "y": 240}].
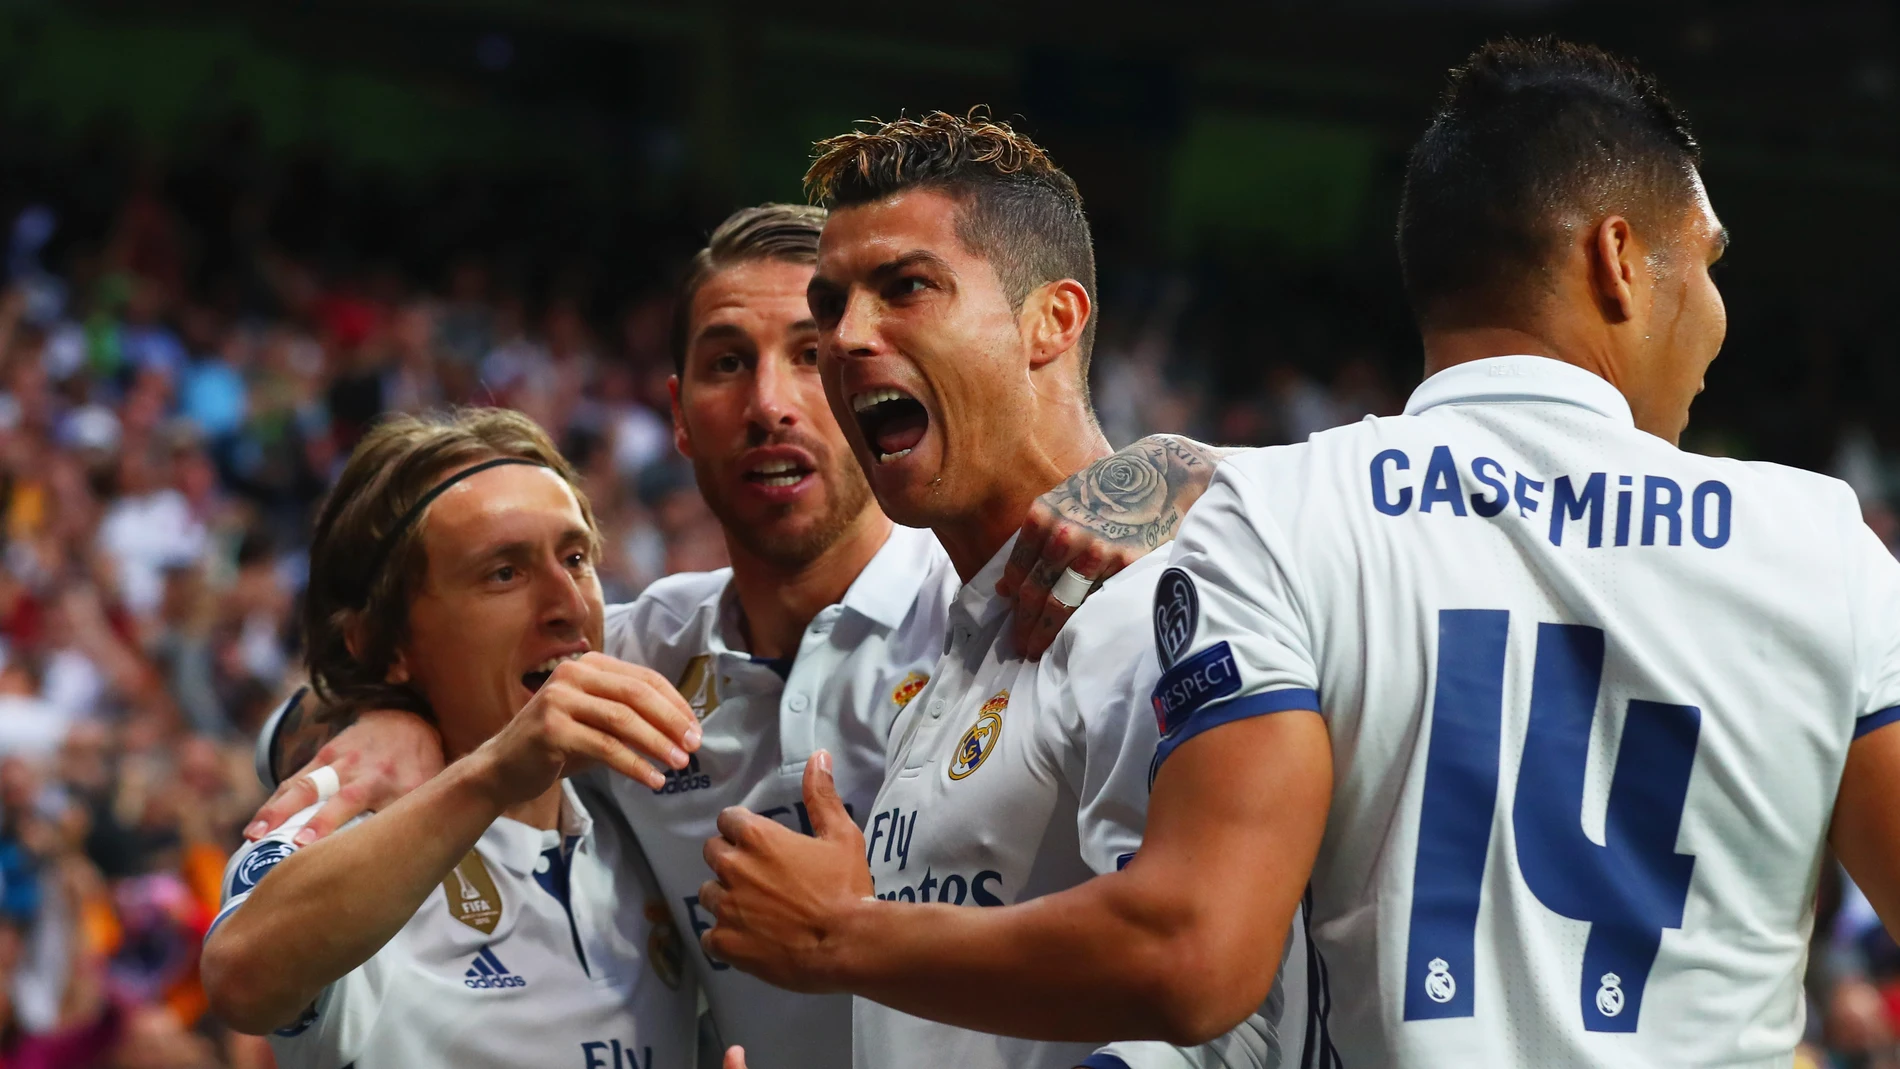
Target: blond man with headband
[{"x": 485, "y": 919}]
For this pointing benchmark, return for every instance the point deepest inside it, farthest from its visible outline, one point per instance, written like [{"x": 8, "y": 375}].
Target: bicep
[
  {"x": 1233, "y": 829},
  {"x": 1866, "y": 831}
]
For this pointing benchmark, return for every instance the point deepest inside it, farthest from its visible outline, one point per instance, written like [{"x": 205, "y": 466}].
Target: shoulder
[
  {"x": 1113, "y": 622},
  {"x": 662, "y": 611}
]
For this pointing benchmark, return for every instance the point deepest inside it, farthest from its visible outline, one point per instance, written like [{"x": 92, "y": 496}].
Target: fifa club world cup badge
[
  {"x": 472, "y": 896},
  {"x": 1439, "y": 985}
]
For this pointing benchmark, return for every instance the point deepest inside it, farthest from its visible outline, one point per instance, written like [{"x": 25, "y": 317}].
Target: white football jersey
[
  {"x": 1589, "y": 699},
  {"x": 542, "y": 947},
  {"x": 1011, "y": 779},
  {"x": 859, "y": 662}
]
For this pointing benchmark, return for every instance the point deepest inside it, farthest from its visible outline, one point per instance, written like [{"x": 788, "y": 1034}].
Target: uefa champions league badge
[
  {"x": 257, "y": 863},
  {"x": 1177, "y": 614},
  {"x": 1439, "y": 985},
  {"x": 1610, "y": 995}
]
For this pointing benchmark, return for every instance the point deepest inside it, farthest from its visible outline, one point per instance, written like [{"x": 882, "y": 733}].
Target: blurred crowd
[{"x": 177, "y": 388}]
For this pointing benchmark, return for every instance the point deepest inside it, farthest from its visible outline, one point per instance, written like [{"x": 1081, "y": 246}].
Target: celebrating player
[
  {"x": 828, "y": 623},
  {"x": 954, "y": 297},
  {"x": 483, "y": 920},
  {"x": 1585, "y": 709}
]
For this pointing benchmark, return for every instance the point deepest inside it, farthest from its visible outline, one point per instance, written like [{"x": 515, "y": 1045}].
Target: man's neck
[
  {"x": 777, "y": 601},
  {"x": 1449, "y": 348},
  {"x": 1052, "y": 453}
]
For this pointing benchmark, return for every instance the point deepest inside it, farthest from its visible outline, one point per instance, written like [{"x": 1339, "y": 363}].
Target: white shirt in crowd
[
  {"x": 1589, "y": 699},
  {"x": 858, "y": 663},
  {"x": 1011, "y": 779},
  {"x": 543, "y": 947}
]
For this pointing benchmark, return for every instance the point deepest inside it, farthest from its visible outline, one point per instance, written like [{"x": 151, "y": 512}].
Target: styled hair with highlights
[
  {"x": 784, "y": 232},
  {"x": 359, "y": 592},
  {"x": 1019, "y": 210},
  {"x": 1534, "y": 137}
]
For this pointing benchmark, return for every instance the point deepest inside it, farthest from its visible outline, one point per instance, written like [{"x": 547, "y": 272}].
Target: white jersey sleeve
[
  {"x": 332, "y": 1032},
  {"x": 1876, "y": 623},
  {"x": 1231, "y": 622}
]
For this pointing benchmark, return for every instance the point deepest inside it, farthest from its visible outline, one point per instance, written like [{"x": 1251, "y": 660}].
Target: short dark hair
[
  {"x": 356, "y": 587},
  {"x": 785, "y": 232},
  {"x": 1531, "y": 135},
  {"x": 1020, "y": 211}
]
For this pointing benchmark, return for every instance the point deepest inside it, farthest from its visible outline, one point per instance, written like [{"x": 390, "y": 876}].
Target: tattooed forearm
[{"x": 1137, "y": 496}]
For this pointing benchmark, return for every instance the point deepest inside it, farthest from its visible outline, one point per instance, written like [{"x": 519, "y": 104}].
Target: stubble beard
[{"x": 848, "y": 495}]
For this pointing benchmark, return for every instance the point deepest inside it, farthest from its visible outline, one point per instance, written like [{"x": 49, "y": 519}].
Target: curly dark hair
[
  {"x": 1531, "y": 136},
  {"x": 359, "y": 590},
  {"x": 1020, "y": 211}
]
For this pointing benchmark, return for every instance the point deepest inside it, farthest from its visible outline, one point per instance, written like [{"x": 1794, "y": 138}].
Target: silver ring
[
  {"x": 1071, "y": 588},
  {"x": 325, "y": 780}
]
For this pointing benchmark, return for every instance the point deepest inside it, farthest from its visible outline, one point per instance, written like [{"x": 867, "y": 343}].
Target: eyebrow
[
  {"x": 719, "y": 332},
  {"x": 522, "y": 547},
  {"x": 920, "y": 258}
]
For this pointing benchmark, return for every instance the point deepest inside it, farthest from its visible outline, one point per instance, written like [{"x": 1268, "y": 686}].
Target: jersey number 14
[{"x": 1628, "y": 890}]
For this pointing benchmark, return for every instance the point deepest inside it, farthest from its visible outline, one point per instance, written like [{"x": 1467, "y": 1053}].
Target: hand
[
  {"x": 735, "y": 1058},
  {"x": 378, "y": 759},
  {"x": 1100, "y": 520},
  {"x": 779, "y": 898},
  {"x": 592, "y": 709}
]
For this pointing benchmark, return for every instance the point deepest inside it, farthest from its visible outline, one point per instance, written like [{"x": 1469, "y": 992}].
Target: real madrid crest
[
  {"x": 980, "y": 741},
  {"x": 912, "y": 686}
]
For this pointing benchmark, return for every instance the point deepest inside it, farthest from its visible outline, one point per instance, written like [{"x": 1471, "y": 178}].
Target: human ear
[
  {"x": 1056, "y": 315},
  {"x": 1615, "y": 267},
  {"x": 681, "y": 441}
]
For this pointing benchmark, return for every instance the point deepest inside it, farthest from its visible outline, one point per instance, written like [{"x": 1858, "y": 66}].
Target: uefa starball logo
[{"x": 1177, "y": 614}]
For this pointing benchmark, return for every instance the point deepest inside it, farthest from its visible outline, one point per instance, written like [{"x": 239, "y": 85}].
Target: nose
[
  {"x": 563, "y": 600},
  {"x": 856, "y": 332},
  {"x": 769, "y": 404}
]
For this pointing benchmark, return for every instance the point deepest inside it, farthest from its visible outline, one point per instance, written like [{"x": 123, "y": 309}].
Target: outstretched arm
[
  {"x": 1144, "y": 953},
  {"x": 1100, "y": 520}
]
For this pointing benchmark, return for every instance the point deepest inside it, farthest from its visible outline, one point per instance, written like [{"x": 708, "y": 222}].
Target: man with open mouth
[
  {"x": 828, "y": 623},
  {"x": 954, "y": 303}
]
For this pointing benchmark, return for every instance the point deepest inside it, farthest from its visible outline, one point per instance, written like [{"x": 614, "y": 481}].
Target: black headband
[{"x": 408, "y": 518}]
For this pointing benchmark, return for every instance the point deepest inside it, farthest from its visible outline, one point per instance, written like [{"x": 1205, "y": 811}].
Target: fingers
[
  {"x": 829, "y": 818},
  {"x": 735, "y": 1058},
  {"x": 291, "y": 797},
  {"x": 641, "y": 690},
  {"x": 346, "y": 805},
  {"x": 594, "y": 730},
  {"x": 1032, "y": 598},
  {"x": 1037, "y": 527},
  {"x": 624, "y": 726}
]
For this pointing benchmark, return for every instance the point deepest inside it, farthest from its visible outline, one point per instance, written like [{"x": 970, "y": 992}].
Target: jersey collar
[
  {"x": 888, "y": 586},
  {"x": 518, "y": 847},
  {"x": 977, "y": 603},
  {"x": 1519, "y": 380}
]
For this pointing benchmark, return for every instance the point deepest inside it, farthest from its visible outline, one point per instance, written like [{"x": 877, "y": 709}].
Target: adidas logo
[{"x": 488, "y": 971}]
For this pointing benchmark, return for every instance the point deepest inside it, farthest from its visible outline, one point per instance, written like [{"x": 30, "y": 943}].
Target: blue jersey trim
[
  {"x": 1876, "y": 721},
  {"x": 1103, "y": 1060},
  {"x": 1242, "y": 708}
]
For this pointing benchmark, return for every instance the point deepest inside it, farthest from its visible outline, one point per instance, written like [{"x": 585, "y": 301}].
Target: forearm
[
  {"x": 330, "y": 906},
  {"x": 1104, "y": 960}
]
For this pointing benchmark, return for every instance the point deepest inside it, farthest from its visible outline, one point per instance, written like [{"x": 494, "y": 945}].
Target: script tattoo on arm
[{"x": 1136, "y": 497}]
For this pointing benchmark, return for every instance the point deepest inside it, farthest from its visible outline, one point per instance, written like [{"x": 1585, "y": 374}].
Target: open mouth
[
  {"x": 893, "y": 422},
  {"x": 777, "y": 473},
  {"x": 534, "y": 677}
]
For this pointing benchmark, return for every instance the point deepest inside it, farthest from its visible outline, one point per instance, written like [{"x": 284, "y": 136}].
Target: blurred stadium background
[{"x": 235, "y": 233}]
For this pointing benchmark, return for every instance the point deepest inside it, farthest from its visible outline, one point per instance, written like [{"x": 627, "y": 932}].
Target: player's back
[{"x": 1589, "y": 699}]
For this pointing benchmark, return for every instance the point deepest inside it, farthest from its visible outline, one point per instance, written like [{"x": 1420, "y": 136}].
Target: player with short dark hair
[{"x": 1549, "y": 721}]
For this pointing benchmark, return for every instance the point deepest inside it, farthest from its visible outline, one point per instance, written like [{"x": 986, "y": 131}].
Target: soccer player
[
  {"x": 828, "y": 623},
  {"x": 954, "y": 296},
  {"x": 483, "y": 920},
  {"x": 1557, "y": 719}
]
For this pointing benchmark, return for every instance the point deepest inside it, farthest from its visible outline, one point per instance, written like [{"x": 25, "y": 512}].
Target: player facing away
[
  {"x": 488, "y": 919},
  {"x": 828, "y": 623},
  {"x": 954, "y": 298},
  {"x": 1553, "y": 721}
]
